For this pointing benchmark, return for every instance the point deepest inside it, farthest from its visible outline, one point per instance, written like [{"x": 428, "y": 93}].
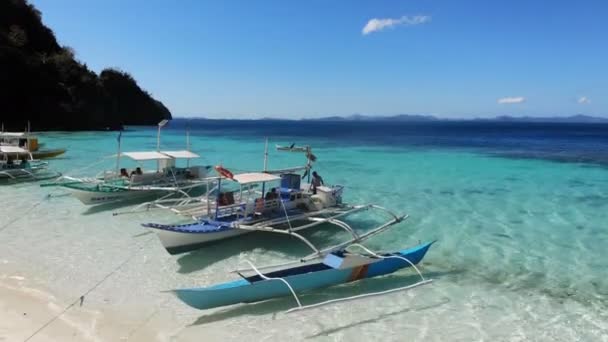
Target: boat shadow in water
[
  {"x": 216, "y": 252},
  {"x": 366, "y": 286},
  {"x": 99, "y": 208}
]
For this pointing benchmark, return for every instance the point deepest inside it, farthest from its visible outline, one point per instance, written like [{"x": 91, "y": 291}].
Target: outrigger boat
[
  {"x": 166, "y": 180},
  {"x": 28, "y": 142},
  {"x": 289, "y": 204},
  {"x": 119, "y": 185},
  {"x": 338, "y": 267},
  {"x": 17, "y": 164},
  {"x": 197, "y": 207}
]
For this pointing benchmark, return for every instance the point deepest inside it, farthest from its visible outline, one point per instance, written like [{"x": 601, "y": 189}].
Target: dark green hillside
[{"x": 43, "y": 83}]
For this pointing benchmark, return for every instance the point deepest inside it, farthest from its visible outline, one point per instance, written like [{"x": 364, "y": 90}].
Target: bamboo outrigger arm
[{"x": 317, "y": 221}]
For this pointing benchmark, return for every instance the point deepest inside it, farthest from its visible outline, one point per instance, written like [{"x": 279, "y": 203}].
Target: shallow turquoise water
[{"x": 519, "y": 253}]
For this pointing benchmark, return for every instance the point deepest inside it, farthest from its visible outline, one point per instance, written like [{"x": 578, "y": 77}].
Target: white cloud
[
  {"x": 510, "y": 100},
  {"x": 583, "y": 100},
  {"x": 376, "y": 24}
]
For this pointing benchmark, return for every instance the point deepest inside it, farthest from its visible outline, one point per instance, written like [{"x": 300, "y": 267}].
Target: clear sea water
[{"x": 520, "y": 212}]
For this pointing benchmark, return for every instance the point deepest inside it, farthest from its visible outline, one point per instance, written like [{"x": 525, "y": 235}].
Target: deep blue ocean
[{"x": 567, "y": 142}]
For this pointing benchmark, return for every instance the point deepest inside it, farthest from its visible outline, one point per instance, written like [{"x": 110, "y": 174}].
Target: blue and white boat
[
  {"x": 336, "y": 268},
  {"x": 286, "y": 208}
]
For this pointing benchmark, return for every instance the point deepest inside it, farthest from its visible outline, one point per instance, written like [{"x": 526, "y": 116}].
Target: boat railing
[{"x": 230, "y": 209}]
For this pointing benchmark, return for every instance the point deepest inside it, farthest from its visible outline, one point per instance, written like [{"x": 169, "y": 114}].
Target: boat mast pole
[
  {"x": 265, "y": 168},
  {"x": 160, "y": 125},
  {"x": 158, "y": 146},
  {"x": 217, "y": 197},
  {"x": 308, "y": 162},
  {"x": 188, "y": 143},
  {"x": 266, "y": 155},
  {"x": 118, "y": 154}
]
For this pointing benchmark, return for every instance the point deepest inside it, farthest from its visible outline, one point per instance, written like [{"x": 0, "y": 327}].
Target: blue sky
[{"x": 247, "y": 59}]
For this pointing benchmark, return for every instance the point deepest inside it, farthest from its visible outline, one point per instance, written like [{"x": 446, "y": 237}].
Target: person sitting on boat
[
  {"x": 229, "y": 196},
  {"x": 222, "y": 199},
  {"x": 9, "y": 162},
  {"x": 317, "y": 180},
  {"x": 272, "y": 194},
  {"x": 137, "y": 171},
  {"x": 124, "y": 173},
  {"x": 24, "y": 163}
]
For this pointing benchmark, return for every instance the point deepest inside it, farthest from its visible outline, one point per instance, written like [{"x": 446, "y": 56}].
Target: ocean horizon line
[{"x": 578, "y": 118}]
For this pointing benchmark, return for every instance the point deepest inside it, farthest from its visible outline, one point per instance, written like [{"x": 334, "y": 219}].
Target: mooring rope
[
  {"x": 80, "y": 299},
  {"x": 23, "y": 215},
  {"x": 285, "y": 211}
]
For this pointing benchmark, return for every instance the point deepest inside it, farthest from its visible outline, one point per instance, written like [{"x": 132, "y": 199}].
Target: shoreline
[{"x": 28, "y": 314}]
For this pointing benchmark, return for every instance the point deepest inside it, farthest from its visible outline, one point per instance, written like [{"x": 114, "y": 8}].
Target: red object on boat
[{"x": 224, "y": 172}]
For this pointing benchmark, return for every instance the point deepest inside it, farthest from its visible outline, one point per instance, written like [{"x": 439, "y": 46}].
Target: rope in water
[
  {"x": 81, "y": 298},
  {"x": 285, "y": 211},
  {"x": 22, "y": 215},
  {"x": 10, "y": 222}
]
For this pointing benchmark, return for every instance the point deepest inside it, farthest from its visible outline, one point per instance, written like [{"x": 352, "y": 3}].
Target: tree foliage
[{"x": 42, "y": 82}]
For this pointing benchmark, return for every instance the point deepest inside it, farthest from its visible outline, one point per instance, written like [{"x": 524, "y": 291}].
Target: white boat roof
[
  {"x": 180, "y": 154},
  {"x": 148, "y": 155},
  {"x": 12, "y": 149},
  {"x": 255, "y": 177},
  {"x": 13, "y": 134}
]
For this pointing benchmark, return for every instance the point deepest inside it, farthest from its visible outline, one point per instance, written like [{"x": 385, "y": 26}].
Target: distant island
[
  {"x": 44, "y": 84},
  {"x": 429, "y": 118},
  {"x": 425, "y": 118},
  {"x": 361, "y": 117}
]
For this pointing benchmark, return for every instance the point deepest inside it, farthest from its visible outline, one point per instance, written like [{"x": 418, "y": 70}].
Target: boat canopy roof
[
  {"x": 255, "y": 177},
  {"x": 181, "y": 154},
  {"x": 12, "y": 149},
  {"x": 12, "y": 134},
  {"x": 149, "y": 155},
  {"x": 154, "y": 155}
]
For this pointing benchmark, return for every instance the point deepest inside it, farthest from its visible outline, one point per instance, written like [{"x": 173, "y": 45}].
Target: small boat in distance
[
  {"x": 28, "y": 142},
  {"x": 336, "y": 268}
]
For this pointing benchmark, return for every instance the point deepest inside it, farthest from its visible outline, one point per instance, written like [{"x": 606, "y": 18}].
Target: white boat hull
[
  {"x": 176, "y": 242},
  {"x": 96, "y": 197}
]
